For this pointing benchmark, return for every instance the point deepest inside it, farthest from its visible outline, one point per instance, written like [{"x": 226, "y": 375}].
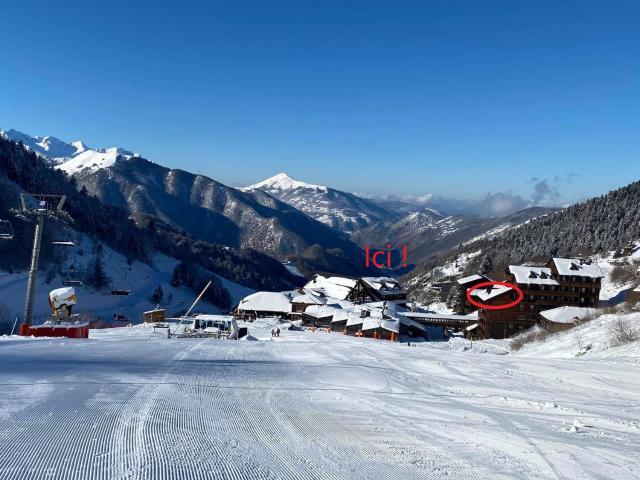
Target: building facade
[{"x": 561, "y": 282}]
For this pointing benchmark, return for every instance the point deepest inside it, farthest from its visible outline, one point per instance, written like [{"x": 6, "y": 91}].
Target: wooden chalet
[
  {"x": 318, "y": 315},
  {"x": 466, "y": 283},
  {"x": 376, "y": 289},
  {"x": 499, "y": 323},
  {"x": 580, "y": 281},
  {"x": 158, "y": 315},
  {"x": 301, "y": 302},
  {"x": 562, "y": 282},
  {"x": 264, "y": 304}
]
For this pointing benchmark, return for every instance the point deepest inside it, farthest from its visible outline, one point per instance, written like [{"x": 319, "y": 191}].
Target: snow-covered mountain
[
  {"x": 341, "y": 210},
  {"x": 70, "y": 157}
]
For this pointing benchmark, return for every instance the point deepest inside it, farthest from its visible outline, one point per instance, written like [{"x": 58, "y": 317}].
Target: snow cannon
[{"x": 61, "y": 301}]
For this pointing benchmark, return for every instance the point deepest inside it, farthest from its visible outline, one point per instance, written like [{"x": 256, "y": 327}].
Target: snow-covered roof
[
  {"x": 336, "y": 287},
  {"x": 492, "y": 291},
  {"x": 320, "y": 311},
  {"x": 471, "y": 327},
  {"x": 637, "y": 289},
  {"x": 390, "y": 324},
  {"x": 577, "y": 267},
  {"x": 567, "y": 314},
  {"x": 383, "y": 284},
  {"x": 340, "y": 315},
  {"x": 266, "y": 302},
  {"x": 224, "y": 318},
  {"x": 432, "y": 315},
  {"x": 309, "y": 299},
  {"x": 532, "y": 275},
  {"x": 155, "y": 310},
  {"x": 471, "y": 278},
  {"x": 355, "y": 318}
]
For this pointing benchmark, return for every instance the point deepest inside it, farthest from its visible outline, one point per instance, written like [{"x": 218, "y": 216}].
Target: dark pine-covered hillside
[{"x": 23, "y": 171}]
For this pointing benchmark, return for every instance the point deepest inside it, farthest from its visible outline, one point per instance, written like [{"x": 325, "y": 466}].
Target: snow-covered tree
[
  {"x": 456, "y": 300},
  {"x": 486, "y": 267}
]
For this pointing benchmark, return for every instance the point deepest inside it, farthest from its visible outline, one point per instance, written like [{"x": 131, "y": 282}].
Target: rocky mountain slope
[
  {"x": 341, "y": 210},
  {"x": 22, "y": 170},
  {"x": 600, "y": 224},
  {"x": 426, "y": 233},
  {"x": 214, "y": 212}
]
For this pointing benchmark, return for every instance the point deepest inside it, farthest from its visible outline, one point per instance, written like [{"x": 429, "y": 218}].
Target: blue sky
[{"x": 454, "y": 98}]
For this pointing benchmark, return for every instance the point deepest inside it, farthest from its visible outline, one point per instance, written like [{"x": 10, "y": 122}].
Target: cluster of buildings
[
  {"x": 371, "y": 307},
  {"x": 561, "y": 283},
  {"x": 556, "y": 296}
]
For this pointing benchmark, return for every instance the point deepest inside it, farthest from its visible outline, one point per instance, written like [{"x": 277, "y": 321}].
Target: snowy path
[{"x": 308, "y": 406}]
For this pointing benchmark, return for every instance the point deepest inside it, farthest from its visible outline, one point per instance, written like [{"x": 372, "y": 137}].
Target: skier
[
  {"x": 278, "y": 332},
  {"x": 273, "y": 333}
]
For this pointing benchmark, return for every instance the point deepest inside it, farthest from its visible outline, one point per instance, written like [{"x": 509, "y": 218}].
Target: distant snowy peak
[
  {"x": 341, "y": 210},
  {"x": 68, "y": 157},
  {"x": 282, "y": 181},
  {"x": 93, "y": 160}
]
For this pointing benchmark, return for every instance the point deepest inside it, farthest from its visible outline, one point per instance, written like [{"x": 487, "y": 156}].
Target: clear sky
[{"x": 458, "y": 98}]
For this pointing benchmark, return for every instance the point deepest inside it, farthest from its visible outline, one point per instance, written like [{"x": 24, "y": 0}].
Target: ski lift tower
[{"x": 35, "y": 208}]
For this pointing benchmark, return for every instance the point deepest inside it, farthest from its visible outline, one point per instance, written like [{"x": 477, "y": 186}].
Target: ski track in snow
[{"x": 128, "y": 405}]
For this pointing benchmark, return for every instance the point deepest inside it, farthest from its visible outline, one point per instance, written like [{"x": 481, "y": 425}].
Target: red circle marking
[{"x": 495, "y": 307}]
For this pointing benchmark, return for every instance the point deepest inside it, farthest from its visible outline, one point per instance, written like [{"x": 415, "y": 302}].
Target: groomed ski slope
[{"x": 122, "y": 405}]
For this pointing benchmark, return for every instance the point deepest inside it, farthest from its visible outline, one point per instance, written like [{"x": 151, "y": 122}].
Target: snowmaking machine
[{"x": 61, "y": 301}]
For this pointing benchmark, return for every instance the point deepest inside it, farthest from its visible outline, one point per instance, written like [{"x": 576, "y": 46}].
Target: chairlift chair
[
  {"x": 122, "y": 292},
  {"x": 6, "y": 230},
  {"x": 72, "y": 283},
  {"x": 64, "y": 243}
]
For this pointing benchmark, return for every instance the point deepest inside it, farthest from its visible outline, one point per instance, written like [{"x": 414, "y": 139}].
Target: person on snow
[
  {"x": 273, "y": 333},
  {"x": 278, "y": 332}
]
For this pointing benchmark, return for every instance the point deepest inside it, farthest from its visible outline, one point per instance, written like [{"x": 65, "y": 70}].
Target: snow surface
[
  {"x": 128, "y": 403},
  {"x": 140, "y": 277},
  {"x": 567, "y": 314},
  {"x": 595, "y": 333},
  {"x": 93, "y": 160}
]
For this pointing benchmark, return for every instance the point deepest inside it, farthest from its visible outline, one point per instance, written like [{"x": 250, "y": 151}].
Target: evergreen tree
[
  {"x": 97, "y": 278},
  {"x": 158, "y": 294},
  {"x": 486, "y": 267}
]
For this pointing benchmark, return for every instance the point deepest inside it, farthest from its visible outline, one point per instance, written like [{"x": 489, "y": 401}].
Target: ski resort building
[
  {"x": 564, "y": 318},
  {"x": 319, "y": 315},
  {"x": 469, "y": 282},
  {"x": 373, "y": 289},
  {"x": 499, "y": 323},
  {"x": 580, "y": 280},
  {"x": 307, "y": 299},
  {"x": 562, "y": 282},
  {"x": 264, "y": 304},
  {"x": 335, "y": 287}
]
